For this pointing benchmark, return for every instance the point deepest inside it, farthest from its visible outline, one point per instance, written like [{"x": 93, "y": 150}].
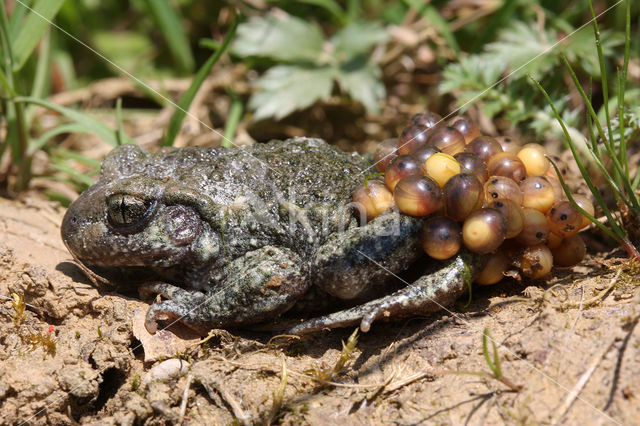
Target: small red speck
[{"x": 51, "y": 328}]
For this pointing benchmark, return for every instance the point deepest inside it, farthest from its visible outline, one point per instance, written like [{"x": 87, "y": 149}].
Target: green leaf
[
  {"x": 280, "y": 38},
  {"x": 330, "y": 6},
  {"x": 187, "y": 97},
  {"x": 168, "y": 22},
  {"x": 35, "y": 24},
  {"x": 124, "y": 48},
  {"x": 357, "y": 38},
  {"x": 361, "y": 79},
  {"x": 286, "y": 88}
]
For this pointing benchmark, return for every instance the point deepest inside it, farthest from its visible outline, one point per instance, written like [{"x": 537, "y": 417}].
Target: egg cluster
[{"x": 489, "y": 194}]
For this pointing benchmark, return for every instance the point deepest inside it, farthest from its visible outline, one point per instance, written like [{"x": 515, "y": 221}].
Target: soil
[{"x": 569, "y": 352}]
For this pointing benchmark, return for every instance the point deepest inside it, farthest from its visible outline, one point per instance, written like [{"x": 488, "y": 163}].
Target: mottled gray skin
[{"x": 238, "y": 236}]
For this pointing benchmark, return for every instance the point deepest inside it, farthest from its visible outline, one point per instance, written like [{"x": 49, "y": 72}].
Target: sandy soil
[{"x": 572, "y": 351}]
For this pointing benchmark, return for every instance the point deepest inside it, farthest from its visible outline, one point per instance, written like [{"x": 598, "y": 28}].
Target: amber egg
[
  {"x": 412, "y": 137},
  {"x": 569, "y": 252},
  {"x": 562, "y": 168},
  {"x": 372, "y": 198},
  {"x": 441, "y": 237},
  {"x": 535, "y": 229},
  {"x": 387, "y": 151},
  {"x": 502, "y": 187},
  {"x": 512, "y": 212},
  {"x": 417, "y": 195},
  {"x": 533, "y": 156},
  {"x": 472, "y": 164},
  {"x": 508, "y": 165},
  {"x": 493, "y": 272},
  {"x": 424, "y": 152},
  {"x": 537, "y": 193},
  {"x": 428, "y": 119},
  {"x": 464, "y": 125},
  {"x": 554, "y": 240},
  {"x": 484, "y": 230},
  {"x": 447, "y": 139},
  {"x": 536, "y": 261},
  {"x": 586, "y": 205},
  {"x": 509, "y": 143},
  {"x": 441, "y": 167},
  {"x": 558, "y": 192},
  {"x": 484, "y": 147},
  {"x": 564, "y": 219},
  {"x": 463, "y": 193},
  {"x": 399, "y": 167}
]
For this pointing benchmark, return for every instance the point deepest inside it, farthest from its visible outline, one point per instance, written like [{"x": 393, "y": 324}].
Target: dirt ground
[{"x": 77, "y": 355}]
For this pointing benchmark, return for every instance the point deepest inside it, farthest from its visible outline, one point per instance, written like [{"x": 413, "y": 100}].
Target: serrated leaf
[
  {"x": 357, "y": 38},
  {"x": 475, "y": 72},
  {"x": 279, "y": 38},
  {"x": 581, "y": 48},
  {"x": 361, "y": 79},
  {"x": 286, "y": 88}
]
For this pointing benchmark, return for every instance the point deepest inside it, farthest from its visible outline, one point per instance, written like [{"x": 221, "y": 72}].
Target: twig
[
  {"x": 598, "y": 297},
  {"x": 237, "y": 410},
  {"x": 185, "y": 398}
]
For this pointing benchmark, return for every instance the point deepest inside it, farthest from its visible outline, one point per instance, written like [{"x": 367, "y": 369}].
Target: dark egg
[
  {"x": 427, "y": 119},
  {"x": 537, "y": 193},
  {"x": 502, "y": 187},
  {"x": 512, "y": 212},
  {"x": 465, "y": 126},
  {"x": 417, "y": 195},
  {"x": 493, "y": 272},
  {"x": 564, "y": 219},
  {"x": 484, "y": 230},
  {"x": 463, "y": 193},
  {"x": 372, "y": 198},
  {"x": 412, "y": 137},
  {"x": 423, "y": 153},
  {"x": 535, "y": 229},
  {"x": 447, "y": 139},
  {"x": 441, "y": 237},
  {"x": 387, "y": 151},
  {"x": 399, "y": 167},
  {"x": 509, "y": 143},
  {"x": 569, "y": 252},
  {"x": 484, "y": 147},
  {"x": 536, "y": 261},
  {"x": 508, "y": 165},
  {"x": 472, "y": 164}
]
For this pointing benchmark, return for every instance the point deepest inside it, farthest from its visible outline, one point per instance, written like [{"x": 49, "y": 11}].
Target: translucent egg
[
  {"x": 484, "y": 147},
  {"x": 484, "y": 230},
  {"x": 441, "y": 238},
  {"x": 427, "y": 119},
  {"x": 587, "y": 206},
  {"x": 493, "y": 272},
  {"x": 502, "y": 187},
  {"x": 465, "y": 126},
  {"x": 508, "y": 165},
  {"x": 509, "y": 143},
  {"x": 387, "y": 151},
  {"x": 417, "y": 195},
  {"x": 536, "y": 261},
  {"x": 535, "y": 229},
  {"x": 569, "y": 252},
  {"x": 412, "y": 137},
  {"x": 472, "y": 164},
  {"x": 447, "y": 139},
  {"x": 373, "y": 198},
  {"x": 424, "y": 152},
  {"x": 537, "y": 193},
  {"x": 554, "y": 240},
  {"x": 562, "y": 168},
  {"x": 533, "y": 157},
  {"x": 441, "y": 167},
  {"x": 463, "y": 193},
  {"x": 564, "y": 219},
  {"x": 399, "y": 167},
  {"x": 558, "y": 192},
  {"x": 512, "y": 212}
]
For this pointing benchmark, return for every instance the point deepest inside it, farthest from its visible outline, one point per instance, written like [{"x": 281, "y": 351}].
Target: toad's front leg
[{"x": 259, "y": 286}]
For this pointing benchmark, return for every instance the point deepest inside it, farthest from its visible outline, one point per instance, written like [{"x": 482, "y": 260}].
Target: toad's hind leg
[
  {"x": 430, "y": 293},
  {"x": 259, "y": 286}
]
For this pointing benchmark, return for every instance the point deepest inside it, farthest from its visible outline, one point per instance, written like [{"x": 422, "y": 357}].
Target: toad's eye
[{"x": 128, "y": 213}]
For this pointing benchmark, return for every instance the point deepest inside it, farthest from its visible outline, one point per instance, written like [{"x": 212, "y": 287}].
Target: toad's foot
[
  {"x": 259, "y": 286},
  {"x": 430, "y": 293}
]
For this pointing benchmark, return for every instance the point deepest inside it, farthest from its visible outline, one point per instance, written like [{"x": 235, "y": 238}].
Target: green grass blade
[
  {"x": 121, "y": 133},
  {"x": 86, "y": 180},
  {"x": 187, "y": 97},
  {"x": 93, "y": 126},
  {"x": 168, "y": 22},
  {"x": 34, "y": 26},
  {"x": 18, "y": 13},
  {"x": 43, "y": 67},
  {"x": 41, "y": 141},
  {"x": 66, "y": 154},
  {"x": 332, "y": 7},
  {"x": 235, "y": 113}
]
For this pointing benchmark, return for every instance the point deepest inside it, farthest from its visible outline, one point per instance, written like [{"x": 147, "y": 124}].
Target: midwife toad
[{"x": 238, "y": 236}]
